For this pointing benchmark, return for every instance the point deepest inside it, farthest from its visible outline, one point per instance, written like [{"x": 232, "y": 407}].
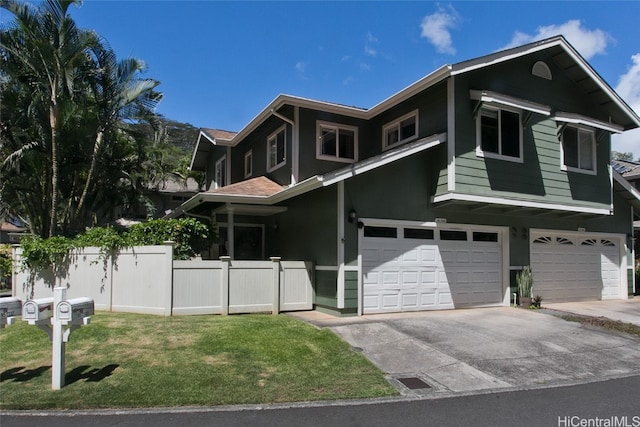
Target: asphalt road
[{"x": 607, "y": 403}]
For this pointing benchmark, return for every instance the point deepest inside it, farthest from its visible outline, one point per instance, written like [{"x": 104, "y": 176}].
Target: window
[
  {"x": 385, "y": 232},
  {"x": 481, "y": 236},
  {"x": 453, "y": 235},
  {"x": 578, "y": 149},
  {"x": 400, "y": 131},
  {"x": 499, "y": 134},
  {"x": 337, "y": 142},
  {"x": 276, "y": 149},
  {"x": 220, "y": 179},
  {"x": 418, "y": 233},
  {"x": 248, "y": 164}
]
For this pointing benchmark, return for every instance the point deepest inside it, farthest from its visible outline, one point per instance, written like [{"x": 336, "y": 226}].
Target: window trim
[
  {"x": 337, "y": 127},
  {"x": 220, "y": 174},
  {"x": 248, "y": 164},
  {"x": 488, "y": 154},
  {"x": 594, "y": 154},
  {"x": 396, "y": 123},
  {"x": 274, "y": 135}
]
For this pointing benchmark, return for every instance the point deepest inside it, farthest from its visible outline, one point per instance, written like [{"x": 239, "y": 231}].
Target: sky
[{"x": 221, "y": 63}]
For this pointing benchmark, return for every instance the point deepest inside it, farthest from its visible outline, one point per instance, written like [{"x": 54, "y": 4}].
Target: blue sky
[{"x": 221, "y": 63}]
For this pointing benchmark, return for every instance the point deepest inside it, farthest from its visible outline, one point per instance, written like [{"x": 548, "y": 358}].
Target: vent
[{"x": 541, "y": 69}]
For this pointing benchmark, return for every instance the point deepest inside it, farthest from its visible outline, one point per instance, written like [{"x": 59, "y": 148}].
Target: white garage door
[
  {"x": 575, "y": 267},
  {"x": 416, "y": 268}
]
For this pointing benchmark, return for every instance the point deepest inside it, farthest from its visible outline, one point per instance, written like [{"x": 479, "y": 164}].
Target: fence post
[
  {"x": 168, "y": 301},
  {"x": 226, "y": 260},
  {"x": 276, "y": 284}
]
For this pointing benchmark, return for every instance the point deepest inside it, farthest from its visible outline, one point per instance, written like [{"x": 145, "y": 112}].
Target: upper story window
[
  {"x": 578, "y": 149},
  {"x": 277, "y": 149},
  {"x": 220, "y": 178},
  {"x": 248, "y": 164},
  {"x": 337, "y": 142},
  {"x": 400, "y": 131},
  {"x": 499, "y": 133}
]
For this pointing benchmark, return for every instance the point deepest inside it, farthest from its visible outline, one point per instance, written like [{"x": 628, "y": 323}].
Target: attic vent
[{"x": 541, "y": 69}]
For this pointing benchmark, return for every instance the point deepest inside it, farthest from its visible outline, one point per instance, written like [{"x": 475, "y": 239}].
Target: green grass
[
  {"x": 127, "y": 360},
  {"x": 603, "y": 322}
]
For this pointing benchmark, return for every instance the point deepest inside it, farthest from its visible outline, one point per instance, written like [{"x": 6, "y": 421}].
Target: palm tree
[
  {"x": 45, "y": 53},
  {"x": 120, "y": 95}
]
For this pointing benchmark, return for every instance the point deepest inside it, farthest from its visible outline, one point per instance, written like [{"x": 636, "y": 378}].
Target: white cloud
[
  {"x": 301, "y": 66},
  {"x": 436, "y": 28},
  {"x": 588, "y": 42},
  {"x": 368, "y": 46},
  {"x": 628, "y": 88}
]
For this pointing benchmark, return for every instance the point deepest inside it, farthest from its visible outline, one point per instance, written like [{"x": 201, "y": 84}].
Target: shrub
[
  {"x": 524, "y": 279},
  {"x": 190, "y": 236}
]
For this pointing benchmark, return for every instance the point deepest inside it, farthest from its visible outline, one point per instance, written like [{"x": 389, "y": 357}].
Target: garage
[
  {"x": 411, "y": 268},
  {"x": 576, "y": 266}
]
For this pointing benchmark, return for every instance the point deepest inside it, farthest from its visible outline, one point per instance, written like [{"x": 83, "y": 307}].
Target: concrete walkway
[
  {"x": 463, "y": 351},
  {"x": 627, "y": 311}
]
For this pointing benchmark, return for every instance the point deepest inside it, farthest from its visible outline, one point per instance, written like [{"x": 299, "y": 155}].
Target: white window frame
[
  {"x": 499, "y": 108},
  {"x": 396, "y": 124},
  {"x": 273, "y": 136},
  {"x": 579, "y": 169},
  {"x": 337, "y": 127},
  {"x": 248, "y": 164},
  {"x": 220, "y": 176}
]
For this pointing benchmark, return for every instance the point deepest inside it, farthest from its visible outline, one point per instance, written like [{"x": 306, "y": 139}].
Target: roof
[
  {"x": 260, "y": 186},
  {"x": 218, "y": 134},
  {"x": 558, "y": 50},
  {"x": 626, "y": 168},
  {"x": 632, "y": 196},
  {"x": 208, "y": 139},
  {"x": 263, "y": 192},
  {"x": 10, "y": 228}
]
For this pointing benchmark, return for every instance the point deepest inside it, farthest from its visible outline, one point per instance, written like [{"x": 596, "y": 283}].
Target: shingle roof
[
  {"x": 260, "y": 186},
  {"x": 626, "y": 168},
  {"x": 10, "y": 228},
  {"x": 218, "y": 134}
]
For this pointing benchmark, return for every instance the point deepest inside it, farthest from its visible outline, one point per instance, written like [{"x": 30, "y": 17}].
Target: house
[
  {"x": 10, "y": 233},
  {"x": 629, "y": 171},
  {"x": 437, "y": 196}
]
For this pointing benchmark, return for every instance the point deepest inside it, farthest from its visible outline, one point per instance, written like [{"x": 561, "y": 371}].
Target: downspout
[{"x": 294, "y": 142}]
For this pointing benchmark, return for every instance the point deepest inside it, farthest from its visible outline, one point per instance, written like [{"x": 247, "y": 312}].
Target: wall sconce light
[{"x": 352, "y": 215}]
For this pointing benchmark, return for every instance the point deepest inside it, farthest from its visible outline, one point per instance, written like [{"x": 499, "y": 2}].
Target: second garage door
[
  {"x": 575, "y": 267},
  {"x": 408, "y": 268}
]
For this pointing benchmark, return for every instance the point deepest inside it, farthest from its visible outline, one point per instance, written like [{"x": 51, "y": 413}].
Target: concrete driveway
[{"x": 462, "y": 351}]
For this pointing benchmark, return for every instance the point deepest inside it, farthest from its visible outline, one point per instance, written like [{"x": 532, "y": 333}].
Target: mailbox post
[{"x": 52, "y": 315}]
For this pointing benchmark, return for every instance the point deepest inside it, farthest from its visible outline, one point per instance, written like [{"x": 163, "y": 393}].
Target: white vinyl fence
[{"x": 146, "y": 279}]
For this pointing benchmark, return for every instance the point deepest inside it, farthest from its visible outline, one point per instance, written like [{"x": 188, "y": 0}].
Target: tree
[
  {"x": 45, "y": 53},
  {"x": 68, "y": 104},
  {"x": 615, "y": 155}
]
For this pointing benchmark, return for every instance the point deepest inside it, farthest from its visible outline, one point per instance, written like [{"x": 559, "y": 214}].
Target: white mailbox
[
  {"x": 74, "y": 310},
  {"x": 37, "y": 310},
  {"x": 9, "y": 308}
]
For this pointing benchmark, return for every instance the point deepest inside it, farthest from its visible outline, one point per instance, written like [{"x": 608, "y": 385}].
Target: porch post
[{"x": 340, "y": 249}]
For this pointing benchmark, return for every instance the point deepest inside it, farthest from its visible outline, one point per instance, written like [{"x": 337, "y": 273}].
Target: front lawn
[{"x": 127, "y": 360}]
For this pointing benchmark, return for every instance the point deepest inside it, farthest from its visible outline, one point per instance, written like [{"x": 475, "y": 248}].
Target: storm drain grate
[{"x": 413, "y": 383}]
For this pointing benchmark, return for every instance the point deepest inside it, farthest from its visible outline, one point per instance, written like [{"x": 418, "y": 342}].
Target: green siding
[
  {"x": 539, "y": 178},
  {"x": 351, "y": 289},
  {"x": 308, "y": 229},
  {"x": 326, "y": 290}
]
